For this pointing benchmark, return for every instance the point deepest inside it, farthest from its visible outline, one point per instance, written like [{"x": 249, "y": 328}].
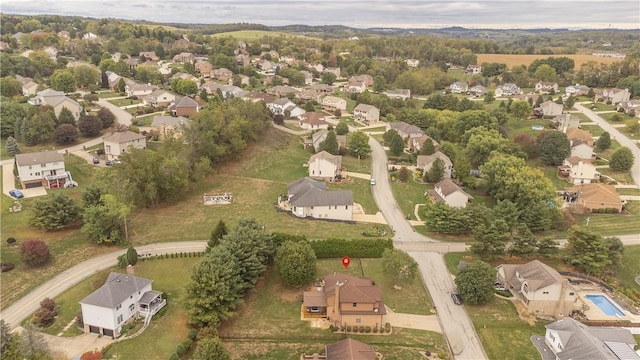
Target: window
[
  {"x": 120, "y": 319},
  {"x": 43, "y": 165},
  {"x": 358, "y": 320},
  {"x": 571, "y": 294},
  {"x": 132, "y": 307},
  {"x": 131, "y": 297},
  {"x": 119, "y": 307},
  {"x": 346, "y": 207},
  {"x": 354, "y": 305},
  {"x": 545, "y": 292}
]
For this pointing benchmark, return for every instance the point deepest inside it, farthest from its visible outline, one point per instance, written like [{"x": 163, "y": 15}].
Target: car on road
[
  {"x": 16, "y": 193},
  {"x": 457, "y": 299},
  {"x": 373, "y": 181}
]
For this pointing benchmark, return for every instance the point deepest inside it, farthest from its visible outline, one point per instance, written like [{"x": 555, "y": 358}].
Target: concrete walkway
[{"x": 412, "y": 321}]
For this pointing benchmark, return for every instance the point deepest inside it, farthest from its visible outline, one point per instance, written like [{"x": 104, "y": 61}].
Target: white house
[
  {"x": 310, "y": 198},
  {"x": 569, "y": 339},
  {"x": 579, "y": 171},
  {"x": 544, "y": 87},
  {"x": 319, "y": 136},
  {"x": 325, "y": 166},
  {"x": 402, "y": 94},
  {"x": 507, "y": 89},
  {"x": 540, "y": 288},
  {"x": 473, "y": 69},
  {"x": 333, "y": 103},
  {"x": 614, "y": 96},
  {"x": 282, "y": 106},
  {"x": 159, "y": 98},
  {"x": 450, "y": 193},
  {"x": 369, "y": 114},
  {"x": 139, "y": 90},
  {"x": 412, "y": 62},
  {"x": 356, "y": 87},
  {"x": 45, "y": 168},
  {"x": 120, "y": 141},
  {"x": 576, "y": 90},
  {"x": 459, "y": 87},
  {"x": 425, "y": 162},
  {"x": 121, "y": 298}
]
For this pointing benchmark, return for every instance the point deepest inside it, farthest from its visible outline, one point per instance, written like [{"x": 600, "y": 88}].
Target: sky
[{"x": 500, "y": 14}]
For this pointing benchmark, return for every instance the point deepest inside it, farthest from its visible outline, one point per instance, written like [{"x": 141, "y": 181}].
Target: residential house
[
  {"x": 416, "y": 143},
  {"x": 139, "y": 90},
  {"x": 549, "y": 108},
  {"x": 478, "y": 90},
  {"x": 333, "y": 103},
  {"x": 507, "y": 89},
  {"x": 402, "y": 94},
  {"x": 325, "y": 166},
  {"x": 582, "y": 150},
  {"x": 222, "y": 74},
  {"x": 545, "y": 87},
  {"x": 204, "y": 67},
  {"x": 243, "y": 59},
  {"x": 29, "y": 87},
  {"x": 169, "y": 126},
  {"x": 425, "y": 162},
  {"x": 532, "y": 98},
  {"x": 597, "y": 196},
  {"x": 159, "y": 98},
  {"x": 473, "y": 69},
  {"x": 184, "y": 106},
  {"x": 369, "y": 114},
  {"x": 578, "y": 171},
  {"x": 242, "y": 80},
  {"x": 334, "y": 70},
  {"x": 412, "y": 62},
  {"x": 289, "y": 59},
  {"x": 122, "y": 298},
  {"x": 347, "y": 300},
  {"x": 64, "y": 34},
  {"x": 565, "y": 121},
  {"x": 255, "y": 96},
  {"x": 308, "y": 95},
  {"x": 44, "y": 168},
  {"x": 230, "y": 91},
  {"x": 310, "y": 198},
  {"x": 57, "y": 100},
  {"x": 569, "y": 339},
  {"x": 149, "y": 55},
  {"x": 631, "y": 107},
  {"x": 281, "y": 90},
  {"x": 271, "y": 79},
  {"x": 576, "y": 90},
  {"x": 357, "y": 87},
  {"x": 321, "y": 89},
  {"x": 450, "y": 193},
  {"x": 405, "y": 130},
  {"x": 51, "y": 52},
  {"x": 285, "y": 107},
  {"x": 183, "y": 43},
  {"x": 313, "y": 120},
  {"x": 579, "y": 134},
  {"x": 308, "y": 77},
  {"x": 317, "y": 137},
  {"x": 614, "y": 96},
  {"x": 185, "y": 76},
  {"x": 540, "y": 288},
  {"x": 120, "y": 141},
  {"x": 364, "y": 78},
  {"x": 46, "y": 97},
  {"x": 184, "y": 57},
  {"x": 459, "y": 87},
  {"x": 347, "y": 349}
]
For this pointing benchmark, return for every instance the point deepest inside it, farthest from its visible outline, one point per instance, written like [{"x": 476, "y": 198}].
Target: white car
[{"x": 373, "y": 181}]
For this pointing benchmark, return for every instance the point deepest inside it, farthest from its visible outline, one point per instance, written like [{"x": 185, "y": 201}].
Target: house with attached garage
[
  {"x": 450, "y": 193},
  {"x": 540, "y": 288},
  {"x": 184, "y": 106},
  {"x": 310, "y": 198},
  {"x": 576, "y": 90},
  {"x": 507, "y": 89},
  {"x": 612, "y": 96},
  {"x": 597, "y": 196},
  {"x": 159, "y": 98},
  {"x": 569, "y": 339},
  {"x": 346, "y": 300},
  {"x": 473, "y": 69},
  {"x": 579, "y": 148},
  {"x": 45, "y": 168},
  {"x": 549, "y": 108},
  {"x": 325, "y": 166},
  {"x": 313, "y": 120},
  {"x": 565, "y": 121},
  {"x": 122, "y": 298},
  {"x": 402, "y": 94},
  {"x": 425, "y": 162},
  {"x": 369, "y": 114},
  {"x": 57, "y": 100},
  {"x": 284, "y": 106},
  {"x": 333, "y": 103},
  {"x": 478, "y": 90},
  {"x": 319, "y": 136},
  {"x": 405, "y": 130},
  {"x": 459, "y": 87},
  {"x": 139, "y": 90},
  {"x": 578, "y": 171},
  {"x": 120, "y": 141},
  {"x": 416, "y": 143},
  {"x": 544, "y": 87}
]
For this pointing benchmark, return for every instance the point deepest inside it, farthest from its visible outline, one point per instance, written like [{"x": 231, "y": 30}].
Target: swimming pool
[{"x": 605, "y": 305}]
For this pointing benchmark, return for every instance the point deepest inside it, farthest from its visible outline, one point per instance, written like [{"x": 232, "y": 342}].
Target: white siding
[
  {"x": 322, "y": 168},
  {"x": 39, "y": 171}
]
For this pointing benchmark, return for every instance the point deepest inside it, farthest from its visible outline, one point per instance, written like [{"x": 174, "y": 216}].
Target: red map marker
[{"x": 346, "y": 261}]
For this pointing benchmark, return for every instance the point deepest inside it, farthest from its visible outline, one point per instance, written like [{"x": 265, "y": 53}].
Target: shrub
[
  {"x": 387, "y": 327},
  {"x": 375, "y": 330},
  {"x": 192, "y": 334},
  {"x": 47, "y": 313},
  {"x": 174, "y": 356},
  {"x": 91, "y": 355},
  {"x": 348, "y": 328},
  {"x": 355, "y": 248},
  {"x": 355, "y": 329},
  {"x": 367, "y": 329},
  {"x": 361, "y": 329},
  {"x": 11, "y": 240},
  {"x": 34, "y": 252}
]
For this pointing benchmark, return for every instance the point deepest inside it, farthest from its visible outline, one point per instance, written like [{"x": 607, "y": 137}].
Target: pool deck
[{"x": 594, "y": 312}]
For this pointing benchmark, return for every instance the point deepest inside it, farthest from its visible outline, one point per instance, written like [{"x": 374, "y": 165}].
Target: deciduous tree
[
  {"x": 358, "y": 144},
  {"x": 554, "y": 148},
  {"x": 86, "y": 75},
  {"x": 622, "y": 159},
  {"x": 399, "y": 265},
  {"x": 396, "y": 144},
  {"x": 475, "y": 282},
  {"x": 296, "y": 262},
  {"x": 89, "y": 125},
  {"x": 65, "y": 134},
  {"x": 107, "y": 118},
  {"x": 63, "y": 80},
  {"x": 34, "y": 252},
  {"x": 105, "y": 222},
  {"x": 521, "y": 109},
  {"x": 342, "y": 128}
]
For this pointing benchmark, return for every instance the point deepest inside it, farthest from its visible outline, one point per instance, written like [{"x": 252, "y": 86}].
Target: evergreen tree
[
  {"x": 12, "y": 146},
  {"x": 436, "y": 173},
  {"x": 604, "y": 141},
  {"x": 330, "y": 143},
  {"x": 66, "y": 117},
  {"x": 216, "y": 235},
  {"x": 427, "y": 147}
]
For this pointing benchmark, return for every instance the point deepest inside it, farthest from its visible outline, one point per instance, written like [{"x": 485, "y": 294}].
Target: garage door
[
  {"x": 107, "y": 332},
  {"x": 32, "y": 185},
  {"x": 94, "y": 329}
]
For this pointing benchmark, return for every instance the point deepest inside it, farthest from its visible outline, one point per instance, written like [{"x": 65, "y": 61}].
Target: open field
[
  {"x": 513, "y": 60},
  {"x": 249, "y": 35}
]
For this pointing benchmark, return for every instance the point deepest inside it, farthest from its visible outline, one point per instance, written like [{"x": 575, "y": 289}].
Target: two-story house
[
  {"x": 325, "y": 166},
  {"x": 576, "y": 90},
  {"x": 416, "y": 143},
  {"x": 184, "y": 57},
  {"x": 284, "y": 106},
  {"x": 57, "y": 100},
  {"x": 139, "y": 90},
  {"x": 41, "y": 169},
  {"x": 203, "y": 67},
  {"x": 347, "y": 300},
  {"x": 149, "y": 55},
  {"x": 120, "y": 141},
  {"x": 450, "y": 193},
  {"x": 574, "y": 133},
  {"x": 412, "y": 62},
  {"x": 356, "y": 87},
  {"x": 366, "y": 113},
  {"x": 540, "y": 288},
  {"x": 546, "y": 87},
  {"x": 310, "y": 198},
  {"x": 402, "y": 94},
  {"x": 364, "y": 78},
  {"x": 159, "y": 98},
  {"x": 459, "y": 87},
  {"x": 407, "y": 131},
  {"x": 507, "y": 89},
  {"x": 222, "y": 74},
  {"x": 578, "y": 171},
  {"x": 333, "y": 103},
  {"x": 425, "y": 162},
  {"x": 122, "y": 298},
  {"x": 614, "y": 96},
  {"x": 169, "y": 126},
  {"x": 184, "y": 106},
  {"x": 581, "y": 149},
  {"x": 478, "y": 90}
]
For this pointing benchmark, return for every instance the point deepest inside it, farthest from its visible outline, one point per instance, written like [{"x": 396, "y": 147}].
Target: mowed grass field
[
  {"x": 258, "y": 34},
  {"x": 512, "y": 60}
]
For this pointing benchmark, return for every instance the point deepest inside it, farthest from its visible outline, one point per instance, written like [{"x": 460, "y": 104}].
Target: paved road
[
  {"x": 619, "y": 137},
  {"x": 122, "y": 116}
]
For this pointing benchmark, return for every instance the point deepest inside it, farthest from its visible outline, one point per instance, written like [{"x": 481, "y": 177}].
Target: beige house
[
  {"x": 319, "y": 136},
  {"x": 203, "y": 67},
  {"x": 57, "y": 100},
  {"x": 596, "y": 196},
  {"x": 416, "y": 143},
  {"x": 407, "y": 131},
  {"x": 450, "y": 193},
  {"x": 346, "y": 300},
  {"x": 333, "y": 103},
  {"x": 364, "y": 78},
  {"x": 356, "y": 87},
  {"x": 222, "y": 74},
  {"x": 580, "y": 149},
  {"x": 325, "y": 166},
  {"x": 41, "y": 169},
  {"x": 310, "y": 198},
  {"x": 459, "y": 87},
  {"x": 120, "y": 141},
  {"x": 369, "y": 114},
  {"x": 169, "y": 126},
  {"x": 425, "y": 162},
  {"x": 574, "y": 134},
  {"x": 550, "y": 108},
  {"x": 613, "y": 96},
  {"x": 159, "y": 98},
  {"x": 473, "y": 69},
  {"x": 184, "y": 57},
  {"x": 540, "y": 288},
  {"x": 412, "y": 62},
  {"x": 579, "y": 171}
]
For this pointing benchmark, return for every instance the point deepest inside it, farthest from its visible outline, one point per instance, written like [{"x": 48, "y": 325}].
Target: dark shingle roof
[
  {"x": 308, "y": 192},
  {"x": 43, "y": 157},
  {"x": 115, "y": 290},
  {"x": 350, "y": 349}
]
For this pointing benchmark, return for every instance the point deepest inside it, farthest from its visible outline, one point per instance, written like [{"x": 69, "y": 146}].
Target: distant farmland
[
  {"x": 249, "y": 35},
  {"x": 512, "y": 60}
]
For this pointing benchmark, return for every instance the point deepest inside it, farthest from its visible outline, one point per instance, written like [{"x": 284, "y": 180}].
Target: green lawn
[
  {"x": 352, "y": 164},
  {"x": 614, "y": 224},
  {"x": 361, "y": 189},
  {"x": 633, "y": 192},
  {"x": 622, "y": 117},
  {"x": 595, "y": 130},
  {"x": 408, "y": 194},
  {"x": 525, "y": 127},
  {"x": 125, "y": 102},
  {"x": 108, "y": 94},
  {"x": 600, "y": 107},
  {"x": 145, "y": 119},
  {"x": 502, "y": 333},
  {"x": 248, "y": 35},
  {"x": 629, "y": 268}
]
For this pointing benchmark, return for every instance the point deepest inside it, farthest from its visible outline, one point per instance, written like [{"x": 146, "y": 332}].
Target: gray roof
[
  {"x": 365, "y": 107},
  {"x": 424, "y": 160},
  {"x": 123, "y": 136},
  {"x": 115, "y": 290},
  {"x": 449, "y": 187},
  {"x": 583, "y": 342},
  {"x": 43, "y": 157},
  {"x": 308, "y": 192},
  {"x": 403, "y": 127},
  {"x": 169, "y": 120},
  {"x": 186, "y": 101}
]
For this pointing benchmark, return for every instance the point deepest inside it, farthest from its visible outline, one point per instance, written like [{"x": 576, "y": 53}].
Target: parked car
[
  {"x": 373, "y": 181},
  {"x": 457, "y": 299},
  {"x": 96, "y": 160},
  {"x": 16, "y": 193}
]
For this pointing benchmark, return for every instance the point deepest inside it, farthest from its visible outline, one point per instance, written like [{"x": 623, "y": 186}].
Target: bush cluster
[
  {"x": 34, "y": 252},
  {"x": 47, "y": 313},
  {"x": 605, "y": 211},
  {"x": 357, "y": 248}
]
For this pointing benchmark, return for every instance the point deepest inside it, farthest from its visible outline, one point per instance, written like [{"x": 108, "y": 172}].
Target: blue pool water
[{"x": 605, "y": 305}]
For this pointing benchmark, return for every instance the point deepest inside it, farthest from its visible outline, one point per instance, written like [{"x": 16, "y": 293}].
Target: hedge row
[{"x": 357, "y": 248}]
